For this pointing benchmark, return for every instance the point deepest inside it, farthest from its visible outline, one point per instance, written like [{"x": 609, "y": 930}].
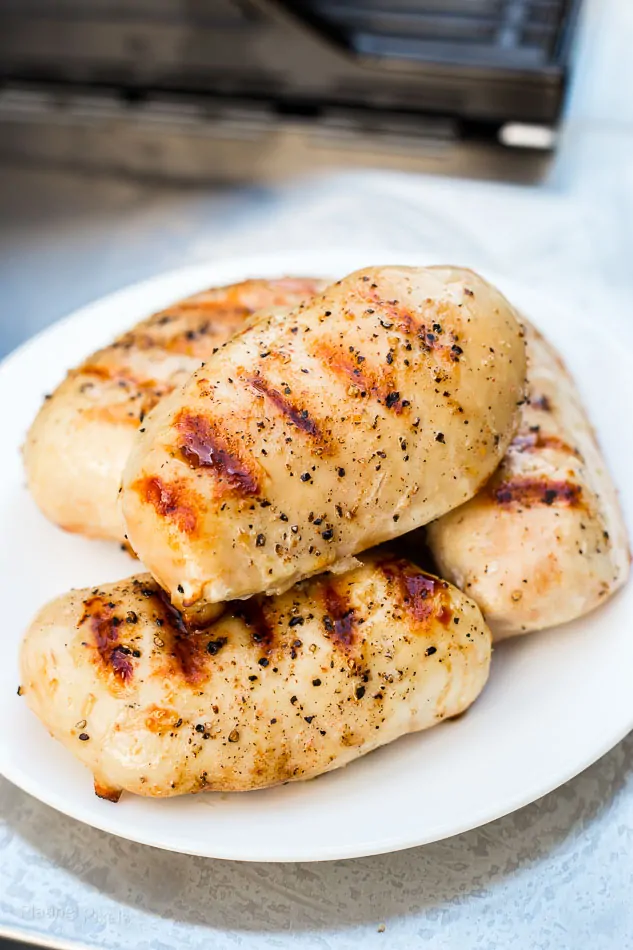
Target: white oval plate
[{"x": 556, "y": 700}]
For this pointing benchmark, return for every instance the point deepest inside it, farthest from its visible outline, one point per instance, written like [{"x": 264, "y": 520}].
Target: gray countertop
[{"x": 557, "y": 874}]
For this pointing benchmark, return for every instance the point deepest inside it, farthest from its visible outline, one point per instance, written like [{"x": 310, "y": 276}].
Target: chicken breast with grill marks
[
  {"x": 545, "y": 541},
  {"x": 368, "y": 411},
  {"x": 275, "y": 690},
  {"x": 79, "y": 443}
]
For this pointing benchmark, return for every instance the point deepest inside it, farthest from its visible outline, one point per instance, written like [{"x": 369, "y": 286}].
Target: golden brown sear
[
  {"x": 276, "y": 689},
  {"x": 545, "y": 541},
  {"x": 318, "y": 432},
  {"x": 79, "y": 443}
]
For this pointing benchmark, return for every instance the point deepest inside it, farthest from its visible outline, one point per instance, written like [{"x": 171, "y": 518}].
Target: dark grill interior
[
  {"x": 522, "y": 34},
  {"x": 387, "y": 73}
]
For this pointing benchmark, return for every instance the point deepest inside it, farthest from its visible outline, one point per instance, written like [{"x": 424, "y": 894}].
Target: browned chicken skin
[
  {"x": 545, "y": 541},
  {"x": 318, "y": 433},
  {"x": 310, "y": 434},
  {"x": 79, "y": 443},
  {"x": 277, "y": 689}
]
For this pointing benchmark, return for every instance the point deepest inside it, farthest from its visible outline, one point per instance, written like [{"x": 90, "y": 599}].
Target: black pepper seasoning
[{"x": 214, "y": 646}]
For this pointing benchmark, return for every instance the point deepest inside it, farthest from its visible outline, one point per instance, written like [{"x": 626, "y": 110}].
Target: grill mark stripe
[
  {"x": 199, "y": 336},
  {"x": 340, "y": 617},
  {"x": 299, "y": 417},
  {"x": 129, "y": 414},
  {"x": 380, "y": 385},
  {"x": 427, "y": 328},
  {"x": 258, "y": 294},
  {"x": 131, "y": 382},
  {"x": 203, "y": 446},
  {"x": 254, "y": 615},
  {"x": 135, "y": 395},
  {"x": 189, "y": 645},
  {"x": 171, "y": 501},
  {"x": 170, "y": 614},
  {"x": 217, "y": 312},
  {"x": 192, "y": 657},
  {"x": 418, "y": 590},
  {"x": 392, "y": 311},
  {"x": 105, "y": 629},
  {"x": 532, "y": 441},
  {"x": 540, "y": 402},
  {"x": 537, "y": 491}
]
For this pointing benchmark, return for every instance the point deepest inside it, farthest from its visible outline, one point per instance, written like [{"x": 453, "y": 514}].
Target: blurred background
[
  {"x": 142, "y": 135},
  {"x": 138, "y": 135},
  {"x": 260, "y": 89}
]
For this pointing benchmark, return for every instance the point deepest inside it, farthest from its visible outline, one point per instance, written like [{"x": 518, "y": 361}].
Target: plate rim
[
  {"x": 342, "y": 853},
  {"x": 290, "y": 262}
]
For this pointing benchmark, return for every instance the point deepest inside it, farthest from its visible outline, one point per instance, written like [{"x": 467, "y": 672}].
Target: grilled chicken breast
[
  {"x": 545, "y": 541},
  {"x": 80, "y": 440},
  {"x": 275, "y": 690},
  {"x": 366, "y": 412}
]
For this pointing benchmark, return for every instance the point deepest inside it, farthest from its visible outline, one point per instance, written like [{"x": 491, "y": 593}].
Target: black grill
[
  {"x": 515, "y": 34},
  {"x": 340, "y": 64}
]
